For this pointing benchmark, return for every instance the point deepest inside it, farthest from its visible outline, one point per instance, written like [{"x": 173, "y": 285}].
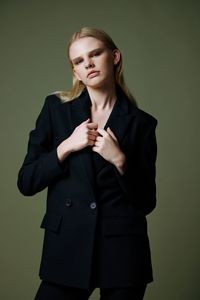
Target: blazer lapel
[
  {"x": 119, "y": 121},
  {"x": 120, "y": 117},
  {"x": 80, "y": 109},
  {"x": 80, "y": 112}
]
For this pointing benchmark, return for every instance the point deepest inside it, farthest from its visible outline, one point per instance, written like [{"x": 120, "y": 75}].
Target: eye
[
  {"x": 96, "y": 53},
  {"x": 77, "y": 62}
]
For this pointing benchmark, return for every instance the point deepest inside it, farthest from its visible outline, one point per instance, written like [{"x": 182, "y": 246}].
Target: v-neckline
[{"x": 110, "y": 115}]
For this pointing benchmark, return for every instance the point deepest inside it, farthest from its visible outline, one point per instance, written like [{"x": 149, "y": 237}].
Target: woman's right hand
[{"x": 83, "y": 135}]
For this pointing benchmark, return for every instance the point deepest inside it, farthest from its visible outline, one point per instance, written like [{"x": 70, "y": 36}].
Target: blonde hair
[{"x": 78, "y": 86}]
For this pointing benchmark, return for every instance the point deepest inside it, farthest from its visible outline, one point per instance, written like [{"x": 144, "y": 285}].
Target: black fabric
[
  {"x": 107, "y": 191},
  {"x": 51, "y": 291},
  {"x": 74, "y": 207}
]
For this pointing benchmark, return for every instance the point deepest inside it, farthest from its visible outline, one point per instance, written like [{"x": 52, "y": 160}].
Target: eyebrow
[{"x": 90, "y": 52}]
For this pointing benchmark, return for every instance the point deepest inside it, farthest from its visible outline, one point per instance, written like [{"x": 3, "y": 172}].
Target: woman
[{"x": 95, "y": 150}]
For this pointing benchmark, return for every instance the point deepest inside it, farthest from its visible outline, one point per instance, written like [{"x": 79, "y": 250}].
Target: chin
[{"x": 96, "y": 84}]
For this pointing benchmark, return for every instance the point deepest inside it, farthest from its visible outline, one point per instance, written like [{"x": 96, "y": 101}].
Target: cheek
[
  {"x": 108, "y": 66},
  {"x": 78, "y": 74},
  {"x": 108, "y": 63}
]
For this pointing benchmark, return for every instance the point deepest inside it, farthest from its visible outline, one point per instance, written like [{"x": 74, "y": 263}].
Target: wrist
[
  {"x": 120, "y": 162},
  {"x": 63, "y": 150}
]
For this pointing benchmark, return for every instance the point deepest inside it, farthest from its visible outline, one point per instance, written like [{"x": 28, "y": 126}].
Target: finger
[
  {"x": 91, "y": 143},
  {"x": 99, "y": 138},
  {"x": 84, "y": 122},
  {"x": 95, "y": 149},
  {"x": 97, "y": 144},
  {"x": 111, "y": 133},
  {"x": 101, "y": 131},
  {"x": 92, "y": 125},
  {"x": 91, "y": 137},
  {"x": 93, "y": 132}
]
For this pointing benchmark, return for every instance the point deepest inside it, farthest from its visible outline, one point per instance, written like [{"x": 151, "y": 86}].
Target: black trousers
[{"x": 51, "y": 291}]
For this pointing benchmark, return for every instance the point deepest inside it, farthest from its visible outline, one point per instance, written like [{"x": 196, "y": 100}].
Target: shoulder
[
  {"x": 142, "y": 117},
  {"x": 52, "y": 101},
  {"x": 145, "y": 117}
]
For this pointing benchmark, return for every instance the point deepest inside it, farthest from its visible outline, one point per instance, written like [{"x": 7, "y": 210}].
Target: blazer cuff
[
  {"x": 121, "y": 179},
  {"x": 54, "y": 166}
]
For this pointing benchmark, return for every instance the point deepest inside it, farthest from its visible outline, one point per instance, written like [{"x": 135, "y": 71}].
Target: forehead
[{"x": 83, "y": 46}]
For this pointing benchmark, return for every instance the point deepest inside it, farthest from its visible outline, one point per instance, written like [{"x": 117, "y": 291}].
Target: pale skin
[{"x": 89, "y": 54}]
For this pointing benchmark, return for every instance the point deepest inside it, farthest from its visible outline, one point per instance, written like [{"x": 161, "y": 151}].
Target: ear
[{"x": 116, "y": 56}]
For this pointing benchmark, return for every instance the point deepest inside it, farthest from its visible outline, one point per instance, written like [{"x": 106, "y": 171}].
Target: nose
[{"x": 89, "y": 64}]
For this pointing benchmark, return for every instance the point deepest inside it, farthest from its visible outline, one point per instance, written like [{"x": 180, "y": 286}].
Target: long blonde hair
[{"x": 78, "y": 86}]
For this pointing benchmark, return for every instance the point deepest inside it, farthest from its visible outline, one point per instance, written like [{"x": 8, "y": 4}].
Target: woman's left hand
[{"x": 107, "y": 146}]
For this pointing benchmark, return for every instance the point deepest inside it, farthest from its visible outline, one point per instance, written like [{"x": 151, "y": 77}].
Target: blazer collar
[
  {"x": 119, "y": 119},
  {"x": 119, "y": 122}
]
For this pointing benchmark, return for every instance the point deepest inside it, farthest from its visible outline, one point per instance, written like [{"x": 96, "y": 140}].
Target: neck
[{"x": 102, "y": 98}]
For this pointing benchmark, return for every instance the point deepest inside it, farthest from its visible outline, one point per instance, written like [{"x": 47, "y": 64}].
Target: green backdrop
[{"x": 160, "y": 45}]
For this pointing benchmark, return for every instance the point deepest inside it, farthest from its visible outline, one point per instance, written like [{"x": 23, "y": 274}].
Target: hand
[
  {"x": 83, "y": 135},
  {"x": 107, "y": 146}
]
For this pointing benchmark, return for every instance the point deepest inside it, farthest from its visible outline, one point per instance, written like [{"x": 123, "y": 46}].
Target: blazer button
[
  {"x": 93, "y": 205},
  {"x": 68, "y": 202}
]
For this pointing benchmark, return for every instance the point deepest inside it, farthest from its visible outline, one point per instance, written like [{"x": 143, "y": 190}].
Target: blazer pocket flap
[
  {"x": 51, "y": 222},
  {"x": 123, "y": 226}
]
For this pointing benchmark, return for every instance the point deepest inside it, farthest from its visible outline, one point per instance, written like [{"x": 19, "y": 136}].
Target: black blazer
[{"x": 72, "y": 209}]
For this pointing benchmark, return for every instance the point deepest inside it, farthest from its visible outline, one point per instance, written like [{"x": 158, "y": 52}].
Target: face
[{"x": 92, "y": 62}]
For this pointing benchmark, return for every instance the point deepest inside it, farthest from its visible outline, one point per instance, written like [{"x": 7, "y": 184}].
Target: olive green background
[{"x": 160, "y": 44}]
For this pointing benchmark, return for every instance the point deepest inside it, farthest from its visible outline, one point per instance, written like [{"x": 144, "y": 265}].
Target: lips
[{"x": 93, "y": 73}]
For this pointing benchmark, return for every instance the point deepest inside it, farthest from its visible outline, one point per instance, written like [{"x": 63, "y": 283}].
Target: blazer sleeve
[
  {"x": 41, "y": 165},
  {"x": 139, "y": 180},
  {"x": 146, "y": 180}
]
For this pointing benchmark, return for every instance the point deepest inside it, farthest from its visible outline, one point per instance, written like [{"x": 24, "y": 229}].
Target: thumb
[{"x": 86, "y": 121}]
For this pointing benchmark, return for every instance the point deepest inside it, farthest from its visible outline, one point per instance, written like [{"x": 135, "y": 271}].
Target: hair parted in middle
[{"x": 77, "y": 85}]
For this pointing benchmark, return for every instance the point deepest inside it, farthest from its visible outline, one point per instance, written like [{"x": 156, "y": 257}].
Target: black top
[{"x": 109, "y": 189}]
